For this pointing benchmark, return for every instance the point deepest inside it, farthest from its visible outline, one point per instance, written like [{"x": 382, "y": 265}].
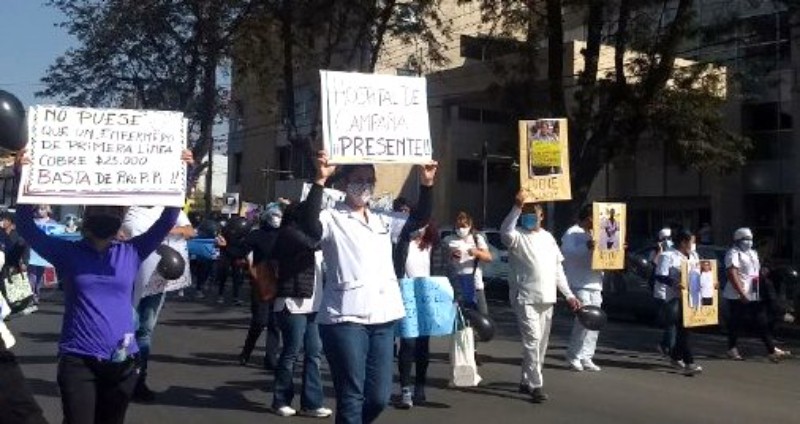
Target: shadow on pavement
[{"x": 220, "y": 398}]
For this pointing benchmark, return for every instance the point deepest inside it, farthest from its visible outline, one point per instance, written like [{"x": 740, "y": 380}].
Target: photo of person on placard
[
  {"x": 609, "y": 230},
  {"x": 544, "y": 154},
  {"x": 707, "y": 283}
]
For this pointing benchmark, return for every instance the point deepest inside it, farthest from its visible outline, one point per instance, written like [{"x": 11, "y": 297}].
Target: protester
[
  {"x": 37, "y": 265},
  {"x": 261, "y": 242},
  {"x": 231, "y": 262},
  {"x": 150, "y": 288},
  {"x": 577, "y": 246},
  {"x": 203, "y": 255},
  {"x": 467, "y": 248},
  {"x": 17, "y": 254},
  {"x": 299, "y": 290},
  {"x": 668, "y": 273},
  {"x": 98, "y": 354},
  {"x": 412, "y": 259},
  {"x": 536, "y": 273},
  {"x": 361, "y": 301},
  {"x": 743, "y": 293},
  {"x": 663, "y": 245}
]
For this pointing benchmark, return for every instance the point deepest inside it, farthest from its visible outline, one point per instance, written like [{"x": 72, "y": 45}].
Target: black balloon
[
  {"x": 13, "y": 134},
  {"x": 236, "y": 228},
  {"x": 481, "y": 324},
  {"x": 592, "y": 317},
  {"x": 172, "y": 265}
]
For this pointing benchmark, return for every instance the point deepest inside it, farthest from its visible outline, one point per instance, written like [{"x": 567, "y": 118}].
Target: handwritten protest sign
[
  {"x": 430, "y": 310},
  {"x": 370, "y": 118},
  {"x": 700, "y": 294},
  {"x": 544, "y": 160},
  {"x": 104, "y": 156},
  {"x": 609, "y": 235}
]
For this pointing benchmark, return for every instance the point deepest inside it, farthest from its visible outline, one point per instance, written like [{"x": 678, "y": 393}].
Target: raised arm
[
  {"x": 49, "y": 248},
  {"x": 508, "y": 230},
  {"x": 147, "y": 242}
]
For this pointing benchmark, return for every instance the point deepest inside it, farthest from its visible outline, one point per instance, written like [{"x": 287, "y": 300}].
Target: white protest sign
[
  {"x": 104, "y": 157},
  {"x": 370, "y": 118}
]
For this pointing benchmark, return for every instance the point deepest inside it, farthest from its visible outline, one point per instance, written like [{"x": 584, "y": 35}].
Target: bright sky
[{"x": 29, "y": 43}]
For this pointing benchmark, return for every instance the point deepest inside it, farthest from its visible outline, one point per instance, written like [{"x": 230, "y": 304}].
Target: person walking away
[
  {"x": 536, "y": 272},
  {"x": 467, "y": 249},
  {"x": 150, "y": 288},
  {"x": 361, "y": 301},
  {"x": 743, "y": 292},
  {"x": 299, "y": 295},
  {"x": 412, "y": 259},
  {"x": 668, "y": 273},
  {"x": 261, "y": 242},
  {"x": 664, "y": 244},
  {"x": 577, "y": 246},
  {"x": 231, "y": 261}
]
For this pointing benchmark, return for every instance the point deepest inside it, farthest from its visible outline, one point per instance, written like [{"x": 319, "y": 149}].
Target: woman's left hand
[
  {"x": 187, "y": 157},
  {"x": 427, "y": 173}
]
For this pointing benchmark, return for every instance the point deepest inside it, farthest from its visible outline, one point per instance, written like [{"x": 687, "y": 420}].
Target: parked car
[{"x": 629, "y": 291}]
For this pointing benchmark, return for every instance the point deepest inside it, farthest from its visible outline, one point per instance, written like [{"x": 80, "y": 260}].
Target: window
[
  {"x": 766, "y": 117},
  {"x": 485, "y": 116},
  {"x": 471, "y": 171},
  {"x": 487, "y": 48},
  {"x": 237, "y": 168}
]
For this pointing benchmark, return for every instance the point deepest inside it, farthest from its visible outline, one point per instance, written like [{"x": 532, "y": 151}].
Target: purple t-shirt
[{"x": 97, "y": 286}]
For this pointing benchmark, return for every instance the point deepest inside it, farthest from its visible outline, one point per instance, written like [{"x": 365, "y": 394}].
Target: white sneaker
[
  {"x": 588, "y": 365},
  {"x": 285, "y": 411},
  {"x": 692, "y": 369},
  {"x": 733, "y": 354},
  {"x": 678, "y": 364},
  {"x": 321, "y": 412},
  {"x": 575, "y": 365},
  {"x": 778, "y": 355}
]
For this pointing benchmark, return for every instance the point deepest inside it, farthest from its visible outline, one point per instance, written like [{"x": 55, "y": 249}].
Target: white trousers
[
  {"x": 534, "y": 322},
  {"x": 582, "y": 342}
]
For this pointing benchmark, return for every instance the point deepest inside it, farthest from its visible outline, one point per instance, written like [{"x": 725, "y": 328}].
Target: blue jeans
[
  {"x": 146, "y": 318},
  {"x": 298, "y": 331},
  {"x": 360, "y": 357},
  {"x": 668, "y": 322}
]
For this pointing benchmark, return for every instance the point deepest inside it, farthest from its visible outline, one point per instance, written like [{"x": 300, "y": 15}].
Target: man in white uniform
[
  {"x": 587, "y": 284},
  {"x": 536, "y": 273}
]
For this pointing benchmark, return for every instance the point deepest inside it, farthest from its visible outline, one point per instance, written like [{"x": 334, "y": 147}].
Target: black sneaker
[
  {"x": 244, "y": 359},
  {"x": 525, "y": 389},
  {"x": 270, "y": 363},
  {"x": 538, "y": 396},
  {"x": 142, "y": 393}
]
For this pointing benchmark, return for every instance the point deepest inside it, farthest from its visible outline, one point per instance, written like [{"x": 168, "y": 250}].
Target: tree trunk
[{"x": 555, "y": 58}]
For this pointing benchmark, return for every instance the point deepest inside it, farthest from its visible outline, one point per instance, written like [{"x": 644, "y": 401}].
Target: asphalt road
[{"x": 194, "y": 370}]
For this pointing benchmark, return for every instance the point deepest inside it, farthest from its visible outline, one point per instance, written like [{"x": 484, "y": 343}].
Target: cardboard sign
[
  {"x": 230, "y": 204},
  {"x": 700, "y": 294},
  {"x": 370, "y": 118},
  {"x": 609, "y": 235},
  {"x": 544, "y": 160},
  {"x": 104, "y": 156},
  {"x": 430, "y": 310}
]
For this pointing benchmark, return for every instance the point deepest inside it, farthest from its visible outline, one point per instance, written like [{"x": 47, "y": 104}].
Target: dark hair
[
  {"x": 7, "y": 216},
  {"x": 532, "y": 208},
  {"x": 682, "y": 235},
  {"x": 430, "y": 238},
  {"x": 399, "y": 203},
  {"x": 585, "y": 212},
  {"x": 344, "y": 171},
  {"x": 464, "y": 216}
]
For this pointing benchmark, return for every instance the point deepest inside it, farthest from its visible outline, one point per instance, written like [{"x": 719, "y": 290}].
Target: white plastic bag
[{"x": 462, "y": 356}]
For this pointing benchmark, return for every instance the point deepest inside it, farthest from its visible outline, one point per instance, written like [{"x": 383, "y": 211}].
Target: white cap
[
  {"x": 664, "y": 233},
  {"x": 742, "y": 233}
]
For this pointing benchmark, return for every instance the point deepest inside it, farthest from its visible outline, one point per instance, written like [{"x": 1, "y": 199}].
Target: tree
[
  {"x": 150, "y": 54},
  {"x": 649, "y": 95}
]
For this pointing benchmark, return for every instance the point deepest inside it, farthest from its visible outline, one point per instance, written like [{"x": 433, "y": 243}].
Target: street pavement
[{"x": 198, "y": 380}]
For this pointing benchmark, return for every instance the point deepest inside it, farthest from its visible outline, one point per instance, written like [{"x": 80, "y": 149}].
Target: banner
[
  {"x": 700, "y": 294},
  {"x": 104, "y": 156},
  {"x": 430, "y": 308},
  {"x": 544, "y": 160},
  {"x": 230, "y": 204},
  {"x": 609, "y": 230},
  {"x": 370, "y": 118}
]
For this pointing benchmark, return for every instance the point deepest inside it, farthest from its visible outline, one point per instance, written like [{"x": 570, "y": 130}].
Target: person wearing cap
[
  {"x": 744, "y": 297},
  {"x": 361, "y": 302},
  {"x": 664, "y": 244},
  {"x": 261, "y": 243}
]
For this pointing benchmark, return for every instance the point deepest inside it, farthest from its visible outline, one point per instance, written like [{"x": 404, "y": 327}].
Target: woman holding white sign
[
  {"x": 98, "y": 356},
  {"x": 361, "y": 301}
]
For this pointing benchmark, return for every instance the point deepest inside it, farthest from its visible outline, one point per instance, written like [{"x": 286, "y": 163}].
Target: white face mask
[
  {"x": 463, "y": 232},
  {"x": 745, "y": 245},
  {"x": 360, "y": 193},
  {"x": 274, "y": 221}
]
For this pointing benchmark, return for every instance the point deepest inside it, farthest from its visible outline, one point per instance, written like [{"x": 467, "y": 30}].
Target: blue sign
[
  {"x": 202, "y": 248},
  {"x": 430, "y": 307}
]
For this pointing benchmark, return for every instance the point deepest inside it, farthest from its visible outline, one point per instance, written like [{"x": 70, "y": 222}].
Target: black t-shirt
[{"x": 261, "y": 242}]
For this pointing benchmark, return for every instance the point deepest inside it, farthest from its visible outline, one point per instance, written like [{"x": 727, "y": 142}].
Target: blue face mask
[{"x": 529, "y": 221}]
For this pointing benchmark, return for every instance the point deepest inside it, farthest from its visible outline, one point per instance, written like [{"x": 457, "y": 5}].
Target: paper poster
[
  {"x": 370, "y": 118},
  {"x": 230, "y": 204},
  {"x": 251, "y": 211},
  {"x": 430, "y": 310},
  {"x": 544, "y": 160},
  {"x": 609, "y": 232},
  {"x": 700, "y": 294},
  {"x": 104, "y": 156},
  {"x": 330, "y": 196}
]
